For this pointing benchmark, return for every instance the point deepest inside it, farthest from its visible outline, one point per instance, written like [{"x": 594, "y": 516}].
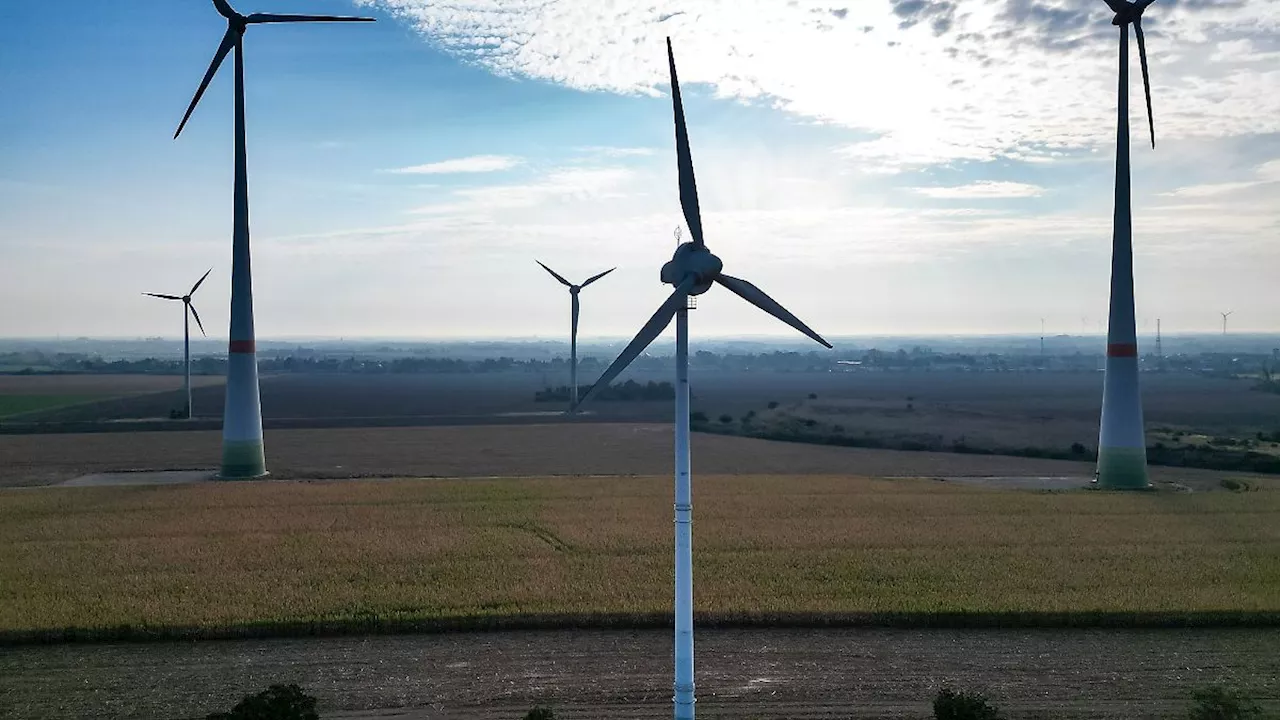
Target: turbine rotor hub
[
  {"x": 575, "y": 289},
  {"x": 1131, "y": 14},
  {"x": 186, "y": 299},
  {"x": 691, "y": 260}
]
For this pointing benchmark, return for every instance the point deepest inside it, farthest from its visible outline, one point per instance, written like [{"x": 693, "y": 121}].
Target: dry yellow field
[{"x": 216, "y": 557}]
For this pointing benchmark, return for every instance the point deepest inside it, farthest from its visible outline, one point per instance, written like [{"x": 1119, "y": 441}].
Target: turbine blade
[
  {"x": 260, "y": 18},
  {"x": 1144, "y": 4},
  {"x": 1146, "y": 78},
  {"x": 652, "y": 329},
  {"x": 197, "y": 317},
  {"x": 165, "y": 297},
  {"x": 684, "y": 161},
  {"x": 228, "y": 42},
  {"x": 1116, "y": 5},
  {"x": 555, "y": 274},
  {"x": 225, "y": 10},
  {"x": 574, "y": 328},
  {"x": 196, "y": 287},
  {"x": 594, "y": 278},
  {"x": 757, "y": 297}
]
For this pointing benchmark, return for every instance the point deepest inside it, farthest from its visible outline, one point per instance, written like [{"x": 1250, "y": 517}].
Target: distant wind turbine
[
  {"x": 242, "y": 450},
  {"x": 188, "y": 311},
  {"x": 1122, "y": 447},
  {"x": 1225, "y": 315},
  {"x": 573, "y": 328},
  {"x": 692, "y": 270}
]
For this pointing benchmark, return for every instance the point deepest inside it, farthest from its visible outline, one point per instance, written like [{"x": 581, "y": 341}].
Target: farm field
[
  {"x": 22, "y": 394},
  {"x": 937, "y": 409},
  {"x": 619, "y": 449},
  {"x": 771, "y": 674},
  {"x": 228, "y": 558}
]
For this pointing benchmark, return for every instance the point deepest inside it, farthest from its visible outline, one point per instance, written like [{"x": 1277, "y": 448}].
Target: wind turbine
[
  {"x": 1122, "y": 447},
  {"x": 1225, "y": 315},
  {"x": 242, "y": 452},
  {"x": 188, "y": 311},
  {"x": 573, "y": 329},
  {"x": 692, "y": 270}
]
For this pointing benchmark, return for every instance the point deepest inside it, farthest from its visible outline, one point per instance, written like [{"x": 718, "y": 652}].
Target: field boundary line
[{"x": 367, "y": 624}]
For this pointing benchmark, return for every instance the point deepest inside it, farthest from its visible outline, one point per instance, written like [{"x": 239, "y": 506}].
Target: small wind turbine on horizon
[
  {"x": 1226, "y": 315},
  {"x": 573, "y": 328},
  {"x": 1122, "y": 447},
  {"x": 692, "y": 270},
  {"x": 188, "y": 312},
  {"x": 242, "y": 450}
]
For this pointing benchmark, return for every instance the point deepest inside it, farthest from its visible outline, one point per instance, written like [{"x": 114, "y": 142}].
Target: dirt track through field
[
  {"x": 501, "y": 450},
  {"x": 619, "y": 675}
]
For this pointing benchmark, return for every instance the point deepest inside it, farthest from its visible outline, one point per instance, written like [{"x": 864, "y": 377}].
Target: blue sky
[{"x": 879, "y": 167}]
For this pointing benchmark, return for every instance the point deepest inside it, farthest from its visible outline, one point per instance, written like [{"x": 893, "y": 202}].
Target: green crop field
[
  {"x": 249, "y": 557},
  {"x": 17, "y": 404}
]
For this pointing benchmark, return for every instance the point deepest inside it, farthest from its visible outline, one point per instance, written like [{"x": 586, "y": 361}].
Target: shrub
[
  {"x": 1231, "y": 484},
  {"x": 540, "y": 712},
  {"x": 1220, "y": 703},
  {"x": 726, "y": 419},
  {"x": 698, "y": 417},
  {"x": 278, "y": 702},
  {"x": 952, "y": 705},
  {"x": 1078, "y": 449},
  {"x": 813, "y": 396},
  {"x": 773, "y": 404}
]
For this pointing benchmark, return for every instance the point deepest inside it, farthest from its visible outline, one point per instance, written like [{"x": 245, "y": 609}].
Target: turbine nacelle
[{"x": 692, "y": 260}]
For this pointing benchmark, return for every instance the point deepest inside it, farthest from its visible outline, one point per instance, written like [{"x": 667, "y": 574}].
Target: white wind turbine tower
[
  {"x": 692, "y": 270},
  {"x": 242, "y": 450},
  {"x": 188, "y": 311},
  {"x": 573, "y": 328},
  {"x": 1122, "y": 447},
  {"x": 1226, "y": 315}
]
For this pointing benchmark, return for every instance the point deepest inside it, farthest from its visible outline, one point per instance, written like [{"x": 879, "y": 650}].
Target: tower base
[
  {"x": 1121, "y": 468},
  {"x": 242, "y": 460}
]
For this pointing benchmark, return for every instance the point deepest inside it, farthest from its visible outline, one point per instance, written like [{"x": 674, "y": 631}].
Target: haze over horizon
[{"x": 886, "y": 168}]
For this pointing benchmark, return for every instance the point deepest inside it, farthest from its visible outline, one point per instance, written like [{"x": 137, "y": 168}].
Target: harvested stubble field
[
  {"x": 742, "y": 674},
  {"x": 507, "y": 451},
  {"x": 264, "y": 557}
]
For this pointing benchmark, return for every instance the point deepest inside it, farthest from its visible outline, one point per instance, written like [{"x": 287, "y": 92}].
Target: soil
[
  {"x": 797, "y": 674},
  {"x": 508, "y": 451}
]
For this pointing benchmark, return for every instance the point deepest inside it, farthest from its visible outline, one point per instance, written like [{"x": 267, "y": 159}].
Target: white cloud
[
  {"x": 617, "y": 152},
  {"x": 1209, "y": 190},
  {"x": 473, "y": 164},
  {"x": 982, "y": 190},
  {"x": 930, "y": 82},
  {"x": 571, "y": 183},
  {"x": 1267, "y": 172}
]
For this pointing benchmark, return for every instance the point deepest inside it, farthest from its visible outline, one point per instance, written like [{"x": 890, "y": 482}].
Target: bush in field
[
  {"x": 540, "y": 713},
  {"x": 278, "y": 702},
  {"x": 726, "y": 419},
  {"x": 1220, "y": 703},
  {"x": 952, "y": 705}
]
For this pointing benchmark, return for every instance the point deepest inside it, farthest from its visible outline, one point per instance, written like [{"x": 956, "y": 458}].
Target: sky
[{"x": 877, "y": 166}]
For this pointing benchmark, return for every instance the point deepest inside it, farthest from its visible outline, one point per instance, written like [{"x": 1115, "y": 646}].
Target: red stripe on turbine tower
[
  {"x": 1122, "y": 350},
  {"x": 242, "y": 346}
]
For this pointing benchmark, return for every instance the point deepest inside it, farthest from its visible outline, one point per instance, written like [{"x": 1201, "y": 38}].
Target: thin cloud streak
[
  {"x": 473, "y": 164},
  {"x": 985, "y": 189}
]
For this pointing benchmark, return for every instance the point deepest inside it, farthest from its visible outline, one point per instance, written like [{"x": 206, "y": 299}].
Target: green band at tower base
[
  {"x": 242, "y": 460},
  {"x": 1122, "y": 468}
]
